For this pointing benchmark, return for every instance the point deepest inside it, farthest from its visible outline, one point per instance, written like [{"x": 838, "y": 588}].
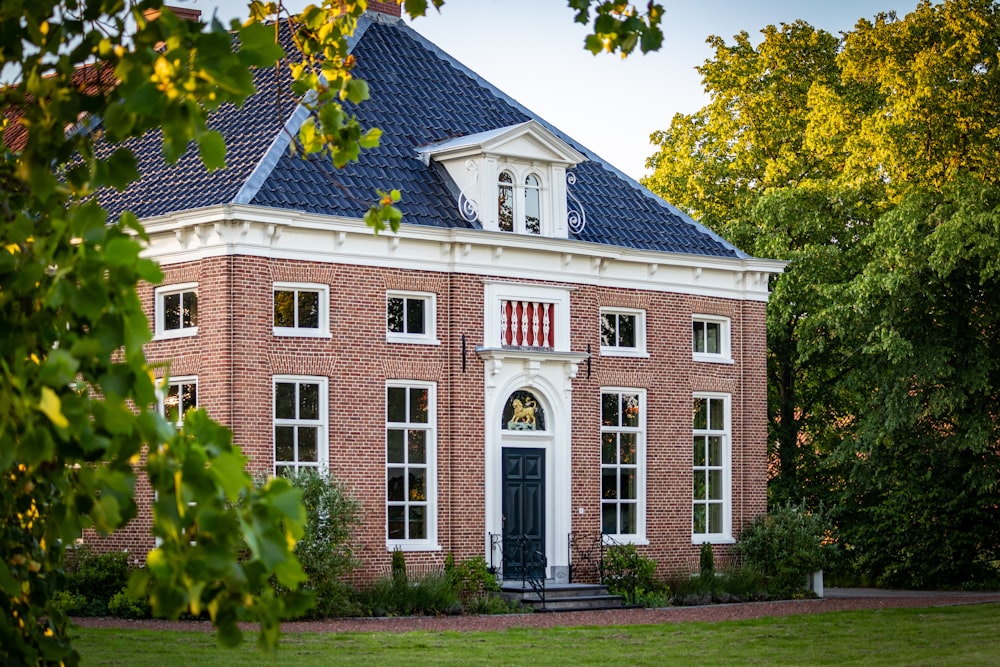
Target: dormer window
[
  {"x": 525, "y": 218},
  {"x": 513, "y": 179}
]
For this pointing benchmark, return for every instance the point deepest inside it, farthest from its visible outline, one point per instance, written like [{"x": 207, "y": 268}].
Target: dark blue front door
[{"x": 523, "y": 513}]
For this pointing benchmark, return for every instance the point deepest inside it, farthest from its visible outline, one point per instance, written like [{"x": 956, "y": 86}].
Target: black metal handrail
[
  {"x": 532, "y": 562},
  {"x": 588, "y": 559}
]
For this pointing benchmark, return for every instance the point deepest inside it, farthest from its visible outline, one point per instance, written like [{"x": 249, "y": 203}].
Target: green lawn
[{"x": 965, "y": 635}]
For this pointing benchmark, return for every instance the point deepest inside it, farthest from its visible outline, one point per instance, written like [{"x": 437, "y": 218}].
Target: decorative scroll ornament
[
  {"x": 467, "y": 206},
  {"x": 576, "y": 217}
]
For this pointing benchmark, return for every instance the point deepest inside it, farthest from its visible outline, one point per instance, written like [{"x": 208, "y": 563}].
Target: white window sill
[
  {"x": 412, "y": 545},
  {"x": 301, "y": 333},
  {"x": 411, "y": 340},
  {"x": 637, "y": 540},
  {"x": 698, "y": 540},
  {"x": 624, "y": 352},
  {"x": 176, "y": 333},
  {"x": 713, "y": 359}
]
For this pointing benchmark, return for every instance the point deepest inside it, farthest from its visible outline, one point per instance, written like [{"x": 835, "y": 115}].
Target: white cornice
[{"x": 256, "y": 231}]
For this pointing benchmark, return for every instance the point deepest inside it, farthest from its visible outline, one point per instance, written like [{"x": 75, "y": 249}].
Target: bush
[
  {"x": 740, "y": 584},
  {"x": 471, "y": 578},
  {"x": 71, "y": 604},
  {"x": 785, "y": 546},
  {"x": 628, "y": 573},
  {"x": 326, "y": 549},
  {"x": 96, "y": 577},
  {"x": 707, "y": 560},
  {"x": 122, "y": 605},
  {"x": 399, "y": 596}
]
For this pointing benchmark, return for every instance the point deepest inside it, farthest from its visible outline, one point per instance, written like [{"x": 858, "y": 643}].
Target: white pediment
[{"x": 529, "y": 142}]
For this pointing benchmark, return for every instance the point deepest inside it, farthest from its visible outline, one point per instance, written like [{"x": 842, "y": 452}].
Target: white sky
[{"x": 533, "y": 51}]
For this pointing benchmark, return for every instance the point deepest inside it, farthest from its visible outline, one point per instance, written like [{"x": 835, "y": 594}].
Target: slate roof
[{"x": 419, "y": 96}]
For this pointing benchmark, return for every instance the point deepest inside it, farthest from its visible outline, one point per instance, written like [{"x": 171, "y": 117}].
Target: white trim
[
  {"x": 430, "y": 542},
  {"x": 725, "y": 536},
  {"x": 322, "y": 423},
  {"x": 639, "y": 537},
  {"x": 159, "y": 330},
  {"x": 497, "y": 292},
  {"x": 725, "y": 354},
  {"x": 429, "y": 337},
  {"x": 639, "y": 350},
  {"x": 323, "y": 330},
  {"x": 229, "y": 230}
]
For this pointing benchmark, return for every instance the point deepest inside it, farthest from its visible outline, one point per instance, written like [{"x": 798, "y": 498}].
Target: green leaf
[
  {"x": 121, "y": 251},
  {"x": 229, "y": 470},
  {"x": 212, "y": 147},
  {"x": 258, "y": 45}
]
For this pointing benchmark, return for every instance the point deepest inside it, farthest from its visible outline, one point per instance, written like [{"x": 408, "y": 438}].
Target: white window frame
[
  {"x": 639, "y": 537},
  {"x": 639, "y": 350},
  {"x": 163, "y": 390},
  {"x": 725, "y": 534},
  {"x": 323, "y": 330},
  {"x": 429, "y": 542},
  {"x": 519, "y": 189},
  {"x": 725, "y": 354},
  {"x": 429, "y": 337},
  {"x": 321, "y": 423},
  {"x": 160, "y": 331}
]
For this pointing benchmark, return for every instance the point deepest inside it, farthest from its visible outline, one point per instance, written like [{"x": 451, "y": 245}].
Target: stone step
[{"x": 563, "y": 597}]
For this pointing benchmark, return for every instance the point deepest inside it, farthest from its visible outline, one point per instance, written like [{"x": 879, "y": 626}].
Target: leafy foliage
[{"x": 628, "y": 573}]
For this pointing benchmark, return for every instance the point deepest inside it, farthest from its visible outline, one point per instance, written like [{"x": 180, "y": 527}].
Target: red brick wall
[
  {"x": 235, "y": 355},
  {"x": 391, "y": 8}
]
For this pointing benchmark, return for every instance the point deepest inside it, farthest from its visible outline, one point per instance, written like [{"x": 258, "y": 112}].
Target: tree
[
  {"x": 882, "y": 330},
  {"x": 77, "y": 422}
]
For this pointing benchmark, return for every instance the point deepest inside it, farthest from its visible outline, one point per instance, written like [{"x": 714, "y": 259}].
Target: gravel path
[{"x": 835, "y": 600}]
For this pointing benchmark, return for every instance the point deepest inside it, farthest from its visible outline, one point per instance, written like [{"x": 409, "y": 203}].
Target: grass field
[{"x": 964, "y": 635}]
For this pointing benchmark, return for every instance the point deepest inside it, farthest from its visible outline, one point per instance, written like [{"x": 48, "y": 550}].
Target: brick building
[{"x": 532, "y": 355}]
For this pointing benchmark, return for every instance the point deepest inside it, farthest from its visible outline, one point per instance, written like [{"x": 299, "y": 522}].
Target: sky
[{"x": 533, "y": 51}]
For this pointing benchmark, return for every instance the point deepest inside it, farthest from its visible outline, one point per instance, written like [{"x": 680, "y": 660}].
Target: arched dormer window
[
  {"x": 532, "y": 205},
  {"x": 505, "y": 202}
]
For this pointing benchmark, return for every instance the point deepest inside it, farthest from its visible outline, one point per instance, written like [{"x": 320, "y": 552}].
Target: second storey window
[
  {"x": 301, "y": 310},
  {"x": 300, "y": 423},
  {"x": 176, "y": 311},
  {"x": 623, "y": 332},
  {"x": 177, "y": 396},
  {"x": 710, "y": 338},
  {"x": 409, "y": 318}
]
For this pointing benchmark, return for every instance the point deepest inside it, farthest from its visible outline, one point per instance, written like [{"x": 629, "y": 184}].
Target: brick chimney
[
  {"x": 389, "y": 7},
  {"x": 183, "y": 13}
]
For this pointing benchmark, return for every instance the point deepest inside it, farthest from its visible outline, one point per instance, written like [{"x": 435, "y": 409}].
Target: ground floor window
[
  {"x": 711, "y": 469},
  {"x": 411, "y": 454},
  {"x": 623, "y": 462},
  {"x": 300, "y": 423}
]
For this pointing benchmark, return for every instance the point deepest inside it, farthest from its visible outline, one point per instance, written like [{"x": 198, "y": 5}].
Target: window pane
[
  {"x": 698, "y": 336},
  {"x": 609, "y": 518},
  {"x": 394, "y": 315},
  {"x": 627, "y": 488},
  {"x": 712, "y": 338},
  {"x": 714, "y": 518},
  {"x": 609, "y": 409},
  {"x": 415, "y": 316},
  {"x": 418, "y": 484},
  {"x": 284, "y": 308},
  {"x": 280, "y": 471},
  {"x": 417, "y": 447},
  {"x": 715, "y": 450},
  {"x": 395, "y": 489},
  {"x": 397, "y": 522},
  {"x": 505, "y": 203},
  {"x": 715, "y": 485},
  {"x": 532, "y": 210},
  {"x": 717, "y": 418},
  {"x": 418, "y": 527},
  {"x": 609, "y": 448},
  {"x": 631, "y": 404},
  {"x": 284, "y": 443},
  {"x": 626, "y": 330},
  {"x": 418, "y": 406},
  {"x": 699, "y": 451},
  {"x": 609, "y": 484},
  {"x": 284, "y": 400},
  {"x": 189, "y": 397},
  {"x": 171, "y": 311},
  {"x": 628, "y": 519},
  {"x": 627, "y": 448},
  {"x": 698, "y": 490},
  {"x": 698, "y": 523},
  {"x": 308, "y": 310},
  {"x": 396, "y": 404},
  {"x": 171, "y": 404},
  {"x": 700, "y": 414},
  {"x": 608, "y": 334},
  {"x": 394, "y": 451},
  {"x": 307, "y": 444},
  {"x": 308, "y": 401},
  {"x": 190, "y": 309}
]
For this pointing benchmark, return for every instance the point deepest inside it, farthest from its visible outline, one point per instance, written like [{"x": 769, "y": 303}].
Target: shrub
[
  {"x": 628, "y": 573},
  {"x": 471, "y": 578},
  {"x": 71, "y": 604},
  {"x": 707, "y": 560},
  {"x": 399, "y": 596},
  {"x": 96, "y": 577},
  {"x": 326, "y": 549},
  {"x": 123, "y": 605},
  {"x": 398, "y": 565},
  {"x": 785, "y": 546}
]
